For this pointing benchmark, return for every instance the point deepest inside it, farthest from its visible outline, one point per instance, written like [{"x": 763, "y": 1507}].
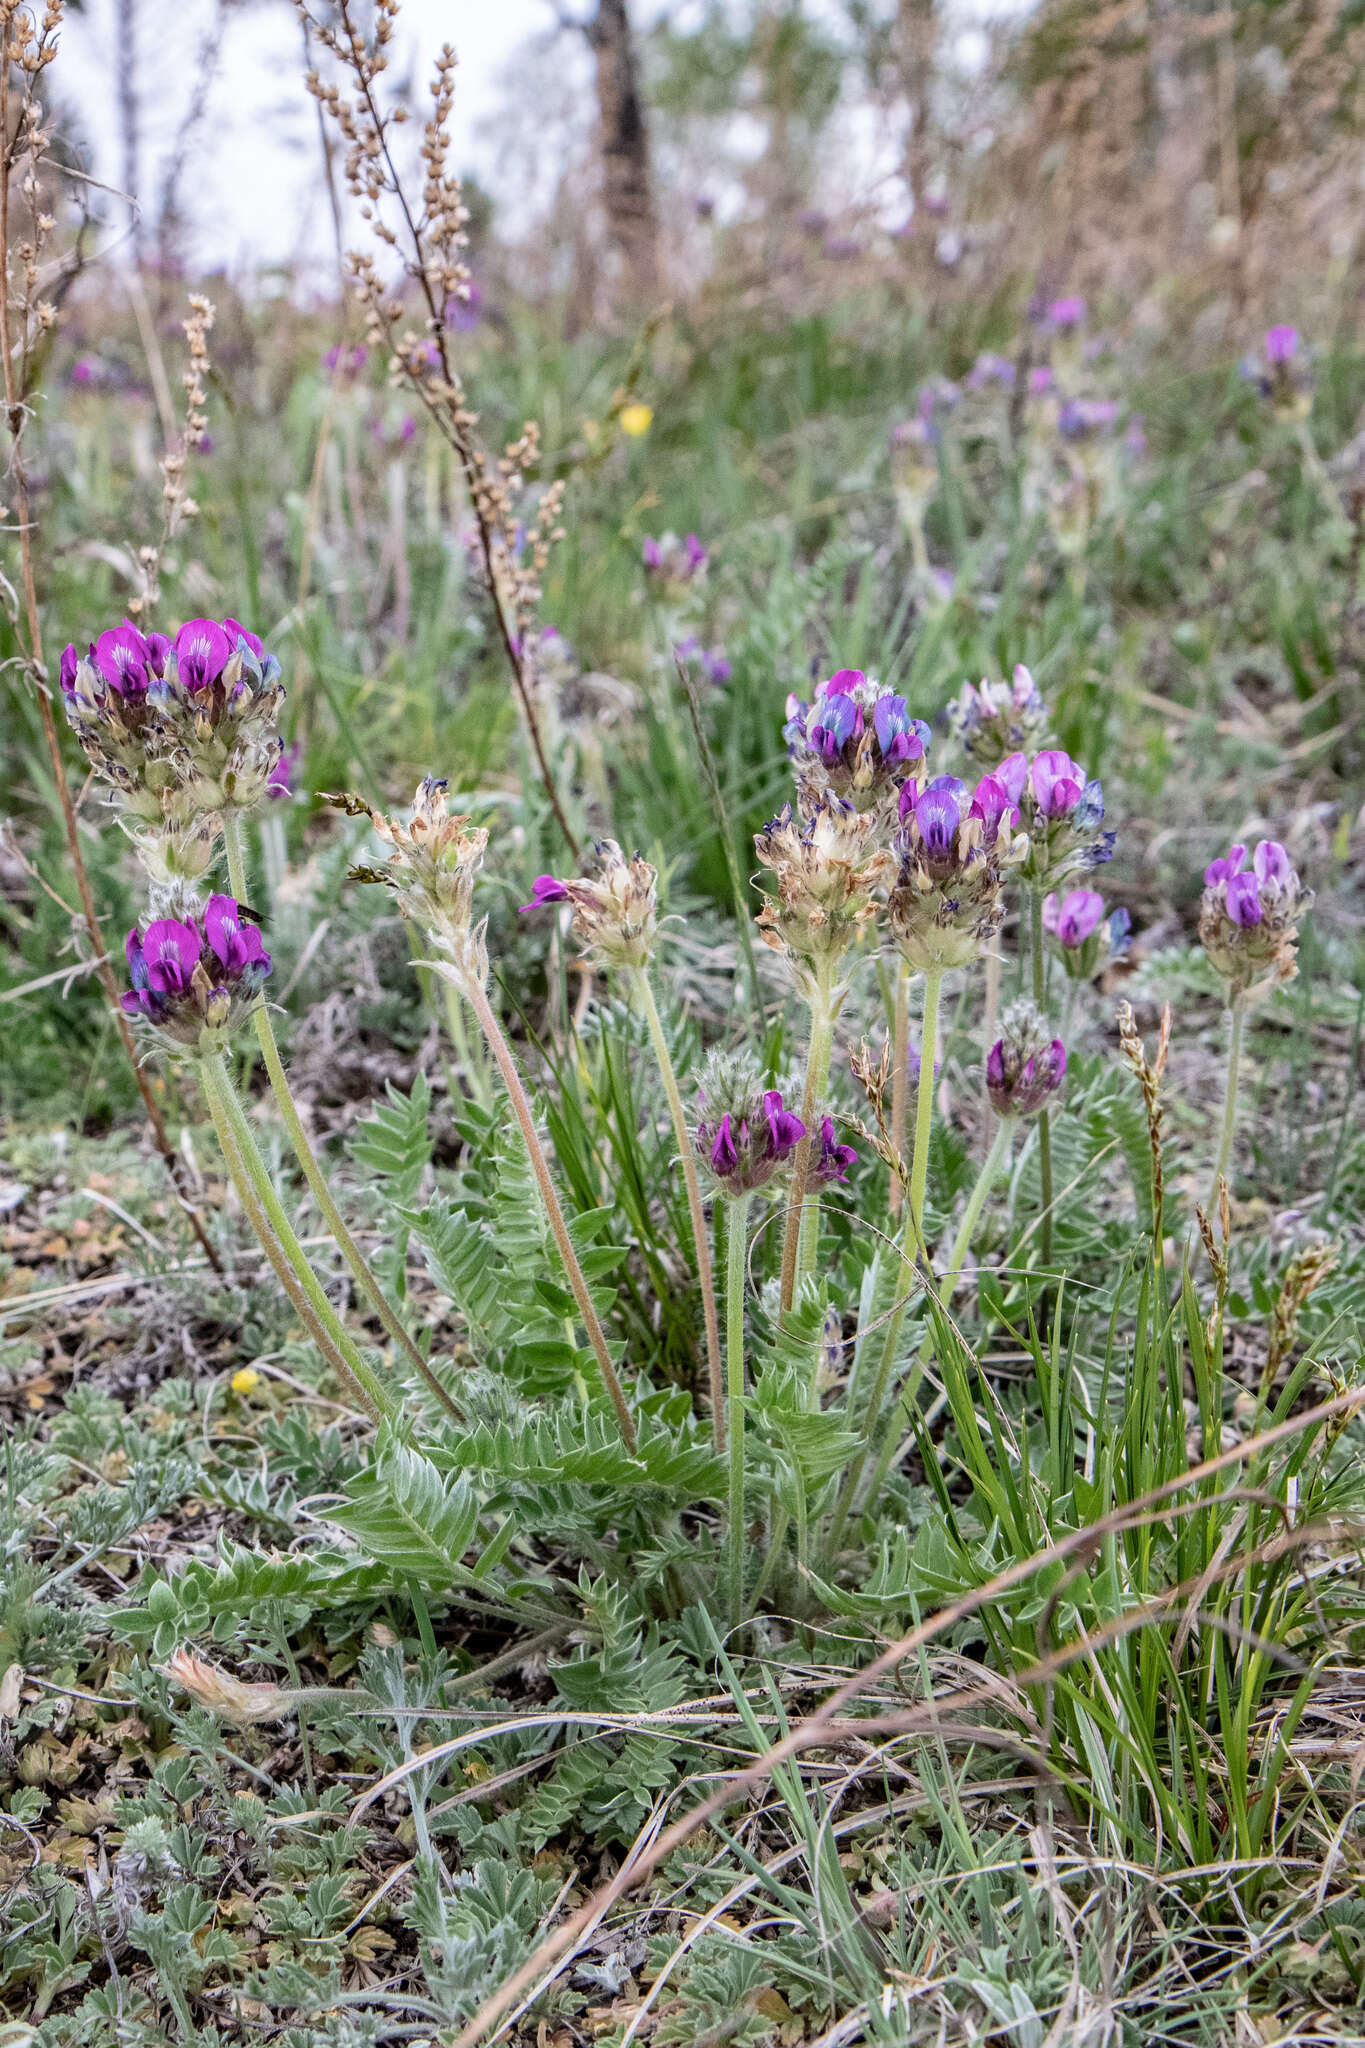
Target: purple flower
[
  {"x": 169, "y": 955},
  {"x": 1271, "y": 862},
  {"x": 545, "y": 889},
  {"x": 1244, "y": 899},
  {"x": 1012, "y": 774},
  {"x": 696, "y": 554},
  {"x": 1281, "y": 345},
  {"x": 938, "y": 813},
  {"x": 785, "y": 1128},
  {"x": 651, "y": 553},
  {"x": 1040, "y": 380},
  {"x": 202, "y": 651},
  {"x": 1057, "y": 782},
  {"x": 66, "y": 672},
  {"x": 1074, "y": 917},
  {"x": 1223, "y": 870},
  {"x": 235, "y": 946},
  {"x": 900, "y": 737},
  {"x": 839, "y": 720},
  {"x": 1067, "y": 312},
  {"x": 724, "y": 1154},
  {"x": 993, "y": 804},
  {"x": 1079, "y": 418},
  {"x": 128, "y": 661},
  {"x": 833, "y": 1160}
]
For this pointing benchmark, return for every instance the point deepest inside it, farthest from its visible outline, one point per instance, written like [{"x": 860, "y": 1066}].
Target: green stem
[
  {"x": 798, "y": 1242},
  {"x": 1044, "y": 1120},
  {"x": 477, "y": 997},
  {"x": 281, "y": 1248},
  {"x": 307, "y": 1158},
  {"x": 976, "y": 1202},
  {"x": 700, "y": 1240},
  {"x": 1229, "y": 1126},
  {"x": 900, "y": 1075},
  {"x": 736, "y": 1222},
  {"x": 911, "y": 1240}
]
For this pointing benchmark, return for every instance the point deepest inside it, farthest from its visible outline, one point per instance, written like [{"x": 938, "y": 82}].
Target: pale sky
[
  {"x": 251, "y": 186},
  {"x": 252, "y": 182}
]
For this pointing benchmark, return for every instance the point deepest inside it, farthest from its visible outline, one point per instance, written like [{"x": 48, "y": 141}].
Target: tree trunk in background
[
  {"x": 626, "y": 189},
  {"x": 125, "y": 71}
]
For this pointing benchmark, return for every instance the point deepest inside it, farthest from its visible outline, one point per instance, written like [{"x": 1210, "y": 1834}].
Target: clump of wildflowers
[
  {"x": 179, "y": 727},
  {"x": 995, "y": 720},
  {"x": 1084, "y": 937},
  {"x": 1249, "y": 917},
  {"x": 1026, "y": 1066},
  {"x": 615, "y": 912},
  {"x": 853, "y": 740},
  {"x": 953, "y": 848},
  {"x": 194, "y": 978},
  {"x": 431, "y": 871},
  {"x": 1062, "y": 810},
  {"x": 744, "y": 1135},
  {"x": 828, "y": 868}
]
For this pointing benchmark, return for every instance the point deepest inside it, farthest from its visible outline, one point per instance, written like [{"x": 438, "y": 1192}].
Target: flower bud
[
  {"x": 615, "y": 912},
  {"x": 1025, "y": 1067},
  {"x": 744, "y": 1136},
  {"x": 1249, "y": 918}
]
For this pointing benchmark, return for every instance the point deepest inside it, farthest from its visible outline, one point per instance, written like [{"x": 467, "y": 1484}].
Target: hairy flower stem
[
  {"x": 277, "y": 1240},
  {"x": 911, "y": 1241},
  {"x": 477, "y": 997},
  {"x": 1044, "y": 1120},
  {"x": 900, "y": 1075},
  {"x": 701, "y": 1242},
  {"x": 307, "y": 1158},
  {"x": 803, "y": 1217},
  {"x": 1229, "y": 1125},
  {"x": 737, "y": 1228}
]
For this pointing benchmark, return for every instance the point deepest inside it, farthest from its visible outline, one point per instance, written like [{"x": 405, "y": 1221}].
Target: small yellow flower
[
  {"x": 246, "y": 1381},
  {"x": 636, "y": 420}
]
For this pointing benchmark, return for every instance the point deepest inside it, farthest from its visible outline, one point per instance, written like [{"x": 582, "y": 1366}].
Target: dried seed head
[{"x": 431, "y": 871}]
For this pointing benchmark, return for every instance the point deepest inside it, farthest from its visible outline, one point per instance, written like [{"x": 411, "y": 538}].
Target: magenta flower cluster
[
  {"x": 1269, "y": 864},
  {"x": 191, "y": 975}
]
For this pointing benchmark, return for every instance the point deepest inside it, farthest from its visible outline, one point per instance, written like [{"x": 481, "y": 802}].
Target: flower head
[
  {"x": 1249, "y": 917},
  {"x": 828, "y": 867},
  {"x": 954, "y": 848},
  {"x": 1063, "y": 811},
  {"x": 994, "y": 720},
  {"x": 744, "y": 1135},
  {"x": 615, "y": 912},
  {"x": 1282, "y": 373},
  {"x": 178, "y": 727},
  {"x": 431, "y": 871},
  {"x": 1066, "y": 313},
  {"x": 1026, "y": 1066},
  {"x": 194, "y": 978},
  {"x": 853, "y": 740},
  {"x": 1281, "y": 345},
  {"x": 636, "y": 420}
]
